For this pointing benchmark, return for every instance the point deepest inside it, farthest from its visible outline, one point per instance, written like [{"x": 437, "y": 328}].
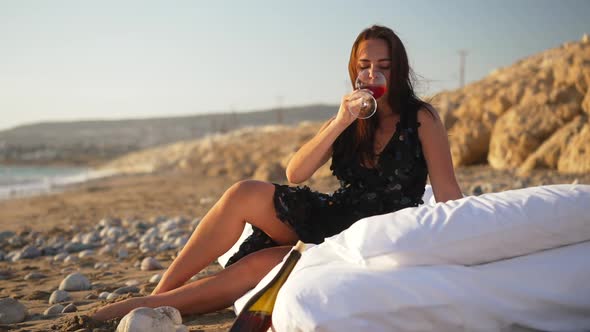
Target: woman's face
[{"x": 373, "y": 54}]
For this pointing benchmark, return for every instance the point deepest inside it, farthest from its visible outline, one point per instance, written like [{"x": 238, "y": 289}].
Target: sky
[{"x": 110, "y": 59}]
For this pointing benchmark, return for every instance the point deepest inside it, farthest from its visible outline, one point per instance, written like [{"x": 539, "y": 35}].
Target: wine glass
[{"x": 370, "y": 86}]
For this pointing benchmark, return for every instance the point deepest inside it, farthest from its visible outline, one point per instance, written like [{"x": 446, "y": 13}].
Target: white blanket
[{"x": 424, "y": 268}]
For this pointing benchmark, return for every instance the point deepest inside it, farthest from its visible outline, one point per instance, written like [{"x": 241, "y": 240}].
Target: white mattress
[{"x": 474, "y": 267}]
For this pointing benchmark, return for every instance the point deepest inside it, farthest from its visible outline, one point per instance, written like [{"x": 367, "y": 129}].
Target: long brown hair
[{"x": 359, "y": 137}]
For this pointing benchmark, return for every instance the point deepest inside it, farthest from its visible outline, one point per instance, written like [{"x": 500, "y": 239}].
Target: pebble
[
  {"x": 30, "y": 252},
  {"x": 107, "y": 249},
  {"x": 146, "y": 247},
  {"x": 86, "y": 253},
  {"x": 156, "y": 278},
  {"x": 75, "y": 282},
  {"x": 70, "y": 308},
  {"x": 132, "y": 282},
  {"x": 35, "y": 276},
  {"x": 103, "y": 295},
  {"x": 59, "y": 296},
  {"x": 54, "y": 309},
  {"x": 122, "y": 253},
  {"x": 126, "y": 289},
  {"x": 71, "y": 259},
  {"x": 113, "y": 296},
  {"x": 150, "y": 263},
  {"x": 6, "y": 235},
  {"x": 74, "y": 247},
  {"x": 12, "y": 311},
  {"x": 60, "y": 257},
  {"x": 152, "y": 320}
]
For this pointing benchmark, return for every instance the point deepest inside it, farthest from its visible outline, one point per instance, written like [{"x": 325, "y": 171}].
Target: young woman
[{"x": 381, "y": 162}]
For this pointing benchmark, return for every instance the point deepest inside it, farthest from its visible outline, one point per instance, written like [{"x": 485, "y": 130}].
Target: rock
[
  {"x": 107, "y": 249},
  {"x": 156, "y": 278},
  {"x": 576, "y": 155},
  {"x": 122, "y": 253},
  {"x": 35, "y": 276},
  {"x": 133, "y": 282},
  {"x": 113, "y": 296},
  {"x": 586, "y": 102},
  {"x": 75, "y": 282},
  {"x": 70, "y": 259},
  {"x": 69, "y": 308},
  {"x": 103, "y": 295},
  {"x": 30, "y": 252},
  {"x": 469, "y": 141},
  {"x": 126, "y": 289},
  {"x": 54, "y": 310},
  {"x": 12, "y": 311},
  {"x": 59, "y": 296},
  {"x": 60, "y": 257},
  {"x": 523, "y": 129},
  {"x": 74, "y": 247},
  {"x": 86, "y": 253},
  {"x": 550, "y": 152},
  {"x": 5, "y": 235},
  {"x": 145, "y": 247},
  {"x": 90, "y": 238},
  {"x": 151, "y": 320},
  {"x": 91, "y": 297},
  {"x": 150, "y": 263}
]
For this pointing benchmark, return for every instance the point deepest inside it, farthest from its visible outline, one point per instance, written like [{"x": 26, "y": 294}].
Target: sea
[{"x": 22, "y": 181}]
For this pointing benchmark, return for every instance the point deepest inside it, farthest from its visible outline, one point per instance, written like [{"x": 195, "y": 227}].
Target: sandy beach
[{"x": 138, "y": 202}]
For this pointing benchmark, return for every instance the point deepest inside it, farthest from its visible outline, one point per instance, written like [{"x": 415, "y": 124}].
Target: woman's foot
[{"x": 119, "y": 309}]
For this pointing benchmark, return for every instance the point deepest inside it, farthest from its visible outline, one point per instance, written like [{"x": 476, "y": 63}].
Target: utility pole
[
  {"x": 462, "y": 55},
  {"x": 279, "y": 109}
]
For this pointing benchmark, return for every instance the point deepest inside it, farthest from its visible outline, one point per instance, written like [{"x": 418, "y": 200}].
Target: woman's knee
[{"x": 248, "y": 190}]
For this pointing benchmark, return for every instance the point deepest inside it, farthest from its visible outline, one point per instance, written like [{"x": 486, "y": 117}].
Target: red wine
[{"x": 378, "y": 90}]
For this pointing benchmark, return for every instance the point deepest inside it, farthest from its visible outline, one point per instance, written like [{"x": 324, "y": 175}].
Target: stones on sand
[
  {"x": 155, "y": 278},
  {"x": 75, "y": 282},
  {"x": 59, "y": 296},
  {"x": 122, "y": 253},
  {"x": 70, "y": 308},
  {"x": 54, "y": 310},
  {"x": 161, "y": 319},
  {"x": 35, "y": 276},
  {"x": 150, "y": 264},
  {"x": 12, "y": 311},
  {"x": 126, "y": 289}
]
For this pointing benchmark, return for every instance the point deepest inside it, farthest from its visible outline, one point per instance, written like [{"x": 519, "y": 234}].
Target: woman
[{"x": 381, "y": 163}]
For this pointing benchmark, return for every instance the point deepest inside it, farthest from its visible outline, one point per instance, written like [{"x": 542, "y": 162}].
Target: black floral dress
[{"x": 397, "y": 182}]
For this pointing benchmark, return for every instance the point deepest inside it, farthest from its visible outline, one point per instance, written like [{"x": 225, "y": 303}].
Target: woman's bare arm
[
  {"x": 435, "y": 145},
  {"x": 313, "y": 154}
]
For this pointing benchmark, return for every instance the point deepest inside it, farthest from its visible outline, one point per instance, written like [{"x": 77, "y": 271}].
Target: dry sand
[{"x": 145, "y": 197}]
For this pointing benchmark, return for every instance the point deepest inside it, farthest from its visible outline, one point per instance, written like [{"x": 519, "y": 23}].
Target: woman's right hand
[{"x": 344, "y": 116}]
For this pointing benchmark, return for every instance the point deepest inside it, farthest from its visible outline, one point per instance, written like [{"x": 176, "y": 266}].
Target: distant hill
[
  {"x": 93, "y": 142},
  {"x": 532, "y": 114}
]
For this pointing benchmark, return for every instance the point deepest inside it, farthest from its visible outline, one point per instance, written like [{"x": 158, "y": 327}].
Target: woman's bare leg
[
  {"x": 248, "y": 200},
  {"x": 212, "y": 293}
]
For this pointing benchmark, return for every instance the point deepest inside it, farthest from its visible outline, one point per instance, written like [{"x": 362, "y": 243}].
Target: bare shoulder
[{"x": 428, "y": 116}]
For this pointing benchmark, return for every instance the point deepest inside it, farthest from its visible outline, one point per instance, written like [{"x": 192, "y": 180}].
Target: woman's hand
[{"x": 344, "y": 117}]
